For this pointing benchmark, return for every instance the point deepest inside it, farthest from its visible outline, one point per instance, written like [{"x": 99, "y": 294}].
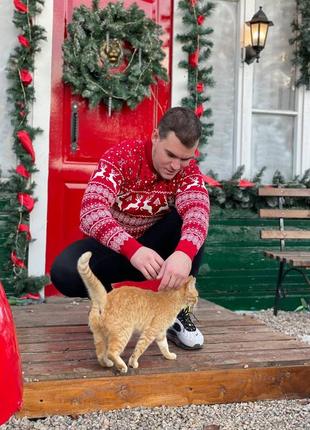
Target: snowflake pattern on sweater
[{"x": 125, "y": 196}]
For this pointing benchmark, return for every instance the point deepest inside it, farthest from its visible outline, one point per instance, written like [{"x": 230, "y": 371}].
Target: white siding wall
[{"x": 8, "y": 38}]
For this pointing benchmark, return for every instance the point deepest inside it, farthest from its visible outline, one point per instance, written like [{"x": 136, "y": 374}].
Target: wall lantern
[{"x": 259, "y": 26}]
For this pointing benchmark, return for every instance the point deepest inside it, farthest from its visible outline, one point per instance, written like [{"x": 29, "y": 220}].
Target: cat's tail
[{"x": 96, "y": 290}]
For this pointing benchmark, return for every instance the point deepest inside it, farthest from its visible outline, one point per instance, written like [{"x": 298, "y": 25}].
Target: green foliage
[
  {"x": 196, "y": 37},
  {"x": 304, "y": 306},
  {"x": 87, "y": 67},
  {"x": 21, "y": 96},
  {"x": 301, "y": 28},
  {"x": 231, "y": 194}
]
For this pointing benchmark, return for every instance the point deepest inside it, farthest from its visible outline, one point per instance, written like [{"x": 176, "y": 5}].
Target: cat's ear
[{"x": 191, "y": 281}]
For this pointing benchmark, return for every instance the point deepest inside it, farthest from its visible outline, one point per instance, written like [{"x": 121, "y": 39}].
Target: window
[{"x": 259, "y": 116}]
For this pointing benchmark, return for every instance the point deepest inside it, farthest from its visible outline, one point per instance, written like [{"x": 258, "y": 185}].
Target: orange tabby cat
[{"x": 116, "y": 315}]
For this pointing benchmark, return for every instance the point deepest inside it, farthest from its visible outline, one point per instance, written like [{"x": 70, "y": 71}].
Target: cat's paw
[
  {"x": 171, "y": 356},
  {"x": 133, "y": 363},
  {"x": 122, "y": 368},
  {"x": 104, "y": 361}
]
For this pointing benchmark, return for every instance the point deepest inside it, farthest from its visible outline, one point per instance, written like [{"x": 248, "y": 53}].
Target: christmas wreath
[{"x": 112, "y": 55}]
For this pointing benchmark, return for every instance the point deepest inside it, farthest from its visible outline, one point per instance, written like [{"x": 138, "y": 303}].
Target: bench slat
[
  {"x": 285, "y": 192},
  {"x": 296, "y": 259},
  {"x": 287, "y": 234},
  {"x": 284, "y": 213}
]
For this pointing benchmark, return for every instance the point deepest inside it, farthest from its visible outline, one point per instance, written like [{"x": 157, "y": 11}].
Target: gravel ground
[{"x": 260, "y": 415}]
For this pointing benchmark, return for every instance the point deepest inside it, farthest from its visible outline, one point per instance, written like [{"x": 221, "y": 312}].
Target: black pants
[{"x": 108, "y": 265}]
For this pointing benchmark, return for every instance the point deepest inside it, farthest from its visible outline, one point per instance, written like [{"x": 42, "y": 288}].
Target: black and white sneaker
[{"x": 184, "y": 333}]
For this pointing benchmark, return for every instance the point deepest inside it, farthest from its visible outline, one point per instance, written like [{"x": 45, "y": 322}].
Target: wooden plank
[
  {"x": 296, "y": 260},
  {"x": 154, "y": 363},
  {"x": 276, "y": 346},
  {"x": 284, "y": 213},
  {"x": 203, "y": 387},
  {"x": 286, "y": 234},
  {"x": 77, "y": 345},
  {"x": 38, "y": 335},
  {"x": 284, "y": 192}
]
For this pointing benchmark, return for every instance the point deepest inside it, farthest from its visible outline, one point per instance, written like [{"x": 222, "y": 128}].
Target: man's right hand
[{"x": 147, "y": 261}]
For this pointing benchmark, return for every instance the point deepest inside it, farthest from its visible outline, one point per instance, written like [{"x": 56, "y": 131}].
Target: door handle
[{"x": 74, "y": 127}]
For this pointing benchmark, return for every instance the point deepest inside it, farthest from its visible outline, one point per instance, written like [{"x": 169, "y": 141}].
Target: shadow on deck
[{"x": 242, "y": 360}]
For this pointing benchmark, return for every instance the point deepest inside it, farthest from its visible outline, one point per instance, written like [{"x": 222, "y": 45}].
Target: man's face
[{"x": 169, "y": 155}]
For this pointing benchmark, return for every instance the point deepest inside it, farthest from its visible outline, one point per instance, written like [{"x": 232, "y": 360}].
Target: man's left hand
[{"x": 175, "y": 270}]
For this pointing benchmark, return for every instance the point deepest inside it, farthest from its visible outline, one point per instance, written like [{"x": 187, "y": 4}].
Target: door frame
[{"x": 41, "y": 118}]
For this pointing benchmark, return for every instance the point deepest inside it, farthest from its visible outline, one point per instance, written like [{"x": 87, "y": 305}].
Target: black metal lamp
[{"x": 259, "y": 26}]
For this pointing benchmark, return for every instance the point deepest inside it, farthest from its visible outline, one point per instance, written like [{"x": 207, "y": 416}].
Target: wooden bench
[{"x": 289, "y": 260}]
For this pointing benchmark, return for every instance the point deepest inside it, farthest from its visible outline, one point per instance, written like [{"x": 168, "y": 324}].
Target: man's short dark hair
[{"x": 185, "y": 124}]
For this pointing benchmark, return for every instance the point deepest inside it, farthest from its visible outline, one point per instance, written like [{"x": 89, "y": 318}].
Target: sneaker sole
[{"x": 173, "y": 338}]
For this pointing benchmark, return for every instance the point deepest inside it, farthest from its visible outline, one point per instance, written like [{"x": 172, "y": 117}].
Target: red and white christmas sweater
[{"x": 125, "y": 196}]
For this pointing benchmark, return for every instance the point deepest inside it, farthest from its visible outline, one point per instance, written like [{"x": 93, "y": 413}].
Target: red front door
[{"x": 70, "y": 169}]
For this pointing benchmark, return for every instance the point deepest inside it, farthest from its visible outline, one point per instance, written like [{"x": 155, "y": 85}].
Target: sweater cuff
[
  {"x": 129, "y": 247},
  {"x": 188, "y": 248}
]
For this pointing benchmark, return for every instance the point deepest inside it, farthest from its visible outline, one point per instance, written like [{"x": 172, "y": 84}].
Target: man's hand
[
  {"x": 147, "y": 261},
  {"x": 175, "y": 270}
]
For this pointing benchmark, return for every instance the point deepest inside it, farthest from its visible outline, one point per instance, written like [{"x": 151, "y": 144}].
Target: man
[{"x": 145, "y": 213}]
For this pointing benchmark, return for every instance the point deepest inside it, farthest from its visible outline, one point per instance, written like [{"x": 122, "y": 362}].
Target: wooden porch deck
[{"x": 242, "y": 360}]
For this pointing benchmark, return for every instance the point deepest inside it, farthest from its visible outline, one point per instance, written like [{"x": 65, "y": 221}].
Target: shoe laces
[{"x": 185, "y": 318}]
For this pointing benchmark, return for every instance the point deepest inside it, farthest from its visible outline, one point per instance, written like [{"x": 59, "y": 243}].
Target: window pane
[
  {"x": 272, "y": 137},
  {"x": 220, "y": 148},
  {"x": 274, "y": 75}
]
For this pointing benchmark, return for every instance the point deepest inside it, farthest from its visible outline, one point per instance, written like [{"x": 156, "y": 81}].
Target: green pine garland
[
  {"x": 301, "y": 27},
  {"x": 198, "y": 46},
  {"x": 237, "y": 193},
  {"x": 19, "y": 187},
  {"x": 90, "y": 70}
]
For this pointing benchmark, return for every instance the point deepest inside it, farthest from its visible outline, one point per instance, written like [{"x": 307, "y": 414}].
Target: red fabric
[
  {"x": 199, "y": 110},
  {"x": 194, "y": 58},
  {"x": 200, "y": 87},
  {"x": 200, "y": 19},
  {"x": 23, "y": 41},
  {"x": 25, "y": 76},
  {"x": 17, "y": 261},
  {"x": 243, "y": 183},
  {"x": 211, "y": 181},
  {"x": 22, "y": 171},
  {"x": 126, "y": 196},
  {"x": 20, "y": 6},
  {"x": 188, "y": 248},
  {"x": 26, "y": 142},
  {"x": 25, "y": 228},
  {"x": 11, "y": 383},
  {"x": 26, "y": 200},
  {"x": 152, "y": 284},
  {"x": 31, "y": 296}
]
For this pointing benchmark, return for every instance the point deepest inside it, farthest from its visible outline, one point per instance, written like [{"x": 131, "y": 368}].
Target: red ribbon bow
[
  {"x": 211, "y": 181},
  {"x": 26, "y": 200},
  {"x": 25, "y": 76},
  {"x": 193, "y": 58},
  {"x": 243, "y": 183},
  {"x": 17, "y": 261},
  {"x": 23, "y": 41},
  {"x": 22, "y": 171},
  {"x": 26, "y": 142},
  {"x": 24, "y": 228},
  {"x": 199, "y": 111},
  {"x": 200, "y": 19},
  {"x": 20, "y": 6},
  {"x": 200, "y": 87}
]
